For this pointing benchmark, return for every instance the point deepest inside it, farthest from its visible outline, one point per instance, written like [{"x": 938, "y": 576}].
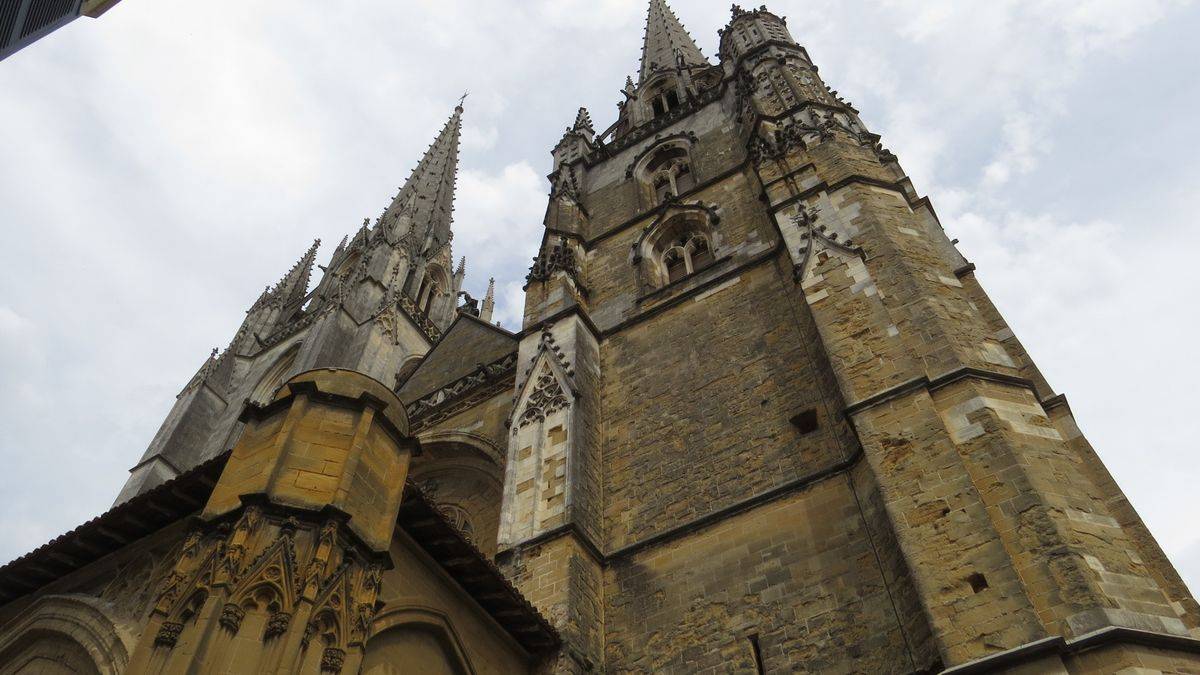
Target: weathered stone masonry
[{"x": 760, "y": 417}]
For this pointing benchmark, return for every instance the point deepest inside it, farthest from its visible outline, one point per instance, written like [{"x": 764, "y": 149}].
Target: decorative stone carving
[
  {"x": 463, "y": 392},
  {"x": 560, "y": 257},
  {"x": 231, "y": 616},
  {"x": 458, "y": 517},
  {"x": 547, "y": 397},
  {"x": 277, "y": 624},
  {"x": 332, "y": 659},
  {"x": 310, "y": 630},
  {"x": 389, "y": 324},
  {"x": 168, "y": 634}
]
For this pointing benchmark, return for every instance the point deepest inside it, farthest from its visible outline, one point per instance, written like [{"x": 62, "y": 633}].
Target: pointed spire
[
  {"x": 462, "y": 267},
  {"x": 294, "y": 285},
  {"x": 489, "y": 301},
  {"x": 428, "y": 194},
  {"x": 667, "y": 44}
]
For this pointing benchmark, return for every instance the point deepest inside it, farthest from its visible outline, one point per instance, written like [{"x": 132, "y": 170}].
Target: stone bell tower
[{"x": 766, "y": 418}]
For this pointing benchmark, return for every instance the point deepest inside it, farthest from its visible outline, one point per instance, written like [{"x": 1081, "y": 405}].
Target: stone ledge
[{"x": 1058, "y": 645}]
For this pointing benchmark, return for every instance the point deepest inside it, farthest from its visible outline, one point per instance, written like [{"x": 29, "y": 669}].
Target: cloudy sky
[{"x": 160, "y": 165}]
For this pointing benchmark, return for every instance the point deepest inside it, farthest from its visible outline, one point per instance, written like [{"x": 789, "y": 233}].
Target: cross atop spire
[
  {"x": 428, "y": 194},
  {"x": 667, "y": 44}
]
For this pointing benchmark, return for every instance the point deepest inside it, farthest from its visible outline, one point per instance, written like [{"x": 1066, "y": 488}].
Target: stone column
[{"x": 282, "y": 569}]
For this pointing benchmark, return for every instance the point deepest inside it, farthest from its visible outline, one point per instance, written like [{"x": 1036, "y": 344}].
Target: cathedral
[{"x": 759, "y": 417}]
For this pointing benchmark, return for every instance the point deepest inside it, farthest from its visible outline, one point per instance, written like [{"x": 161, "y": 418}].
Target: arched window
[
  {"x": 683, "y": 243},
  {"x": 663, "y": 98},
  {"x": 669, "y": 172},
  {"x": 274, "y": 378},
  {"x": 433, "y": 286},
  {"x": 690, "y": 254}
]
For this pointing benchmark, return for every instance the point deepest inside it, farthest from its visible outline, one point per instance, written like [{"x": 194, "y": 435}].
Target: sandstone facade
[{"x": 760, "y": 417}]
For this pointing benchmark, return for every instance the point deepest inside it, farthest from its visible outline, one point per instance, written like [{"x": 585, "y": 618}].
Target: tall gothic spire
[
  {"x": 667, "y": 43},
  {"x": 428, "y": 194}
]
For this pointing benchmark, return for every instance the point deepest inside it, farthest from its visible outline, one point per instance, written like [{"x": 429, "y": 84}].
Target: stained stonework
[{"x": 759, "y": 417}]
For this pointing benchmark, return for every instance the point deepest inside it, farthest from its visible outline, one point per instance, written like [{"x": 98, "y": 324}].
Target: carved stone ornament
[
  {"x": 547, "y": 397},
  {"x": 558, "y": 257},
  {"x": 171, "y": 590},
  {"x": 231, "y": 616},
  {"x": 310, "y": 629},
  {"x": 277, "y": 625},
  {"x": 332, "y": 659},
  {"x": 168, "y": 634},
  {"x": 389, "y": 324}
]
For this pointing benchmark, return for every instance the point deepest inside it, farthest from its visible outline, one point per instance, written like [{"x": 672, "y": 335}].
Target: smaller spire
[
  {"x": 462, "y": 267},
  {"x": 294, "y": 285},
  {"x": 489, "y": 301}
]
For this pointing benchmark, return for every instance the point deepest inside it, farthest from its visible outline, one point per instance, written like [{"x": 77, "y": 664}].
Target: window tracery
[
  {"x": 687, "y": 256},
  {"x": 663, "y": 99},
  {"x": 669, "y": 173},
  {"x": 433, "y": 286},
  {"x": 682, "y": 244}
]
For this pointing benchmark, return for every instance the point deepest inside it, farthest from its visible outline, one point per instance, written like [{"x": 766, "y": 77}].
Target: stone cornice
[
  {"x": 1058, "y": 645},
  {"x": 481, "y": 383}
]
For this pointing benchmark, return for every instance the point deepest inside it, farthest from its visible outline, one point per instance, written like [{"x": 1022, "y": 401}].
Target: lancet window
[
  {"x": 669, "y": 172},
  {"x": 688, "y": 255},
  {"x": 663, "y": 99},
  {"x": 683, "y": 245}
]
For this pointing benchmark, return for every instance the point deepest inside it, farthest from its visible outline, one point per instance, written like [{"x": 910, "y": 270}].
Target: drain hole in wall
[
  {"x": 978, "y": 582},
  {"x": 806, "y": 421}
]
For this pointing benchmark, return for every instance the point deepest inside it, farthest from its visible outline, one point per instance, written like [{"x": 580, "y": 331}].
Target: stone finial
[
  {"x": 489, "y": 301},
  {"x": 583, "y": 121}
]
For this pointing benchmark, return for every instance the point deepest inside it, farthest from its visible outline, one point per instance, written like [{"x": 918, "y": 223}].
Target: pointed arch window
[
  {"x": 683, "y": 244},
  {"x": 669, "y": 172},
  {"x": 689, "y": 255},
  {"x": 663, "y": 98},
  {"x": 274, "y": 377},
  {"x": 433, "y": 287}
]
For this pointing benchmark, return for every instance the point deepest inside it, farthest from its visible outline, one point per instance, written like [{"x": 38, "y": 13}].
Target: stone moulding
[
  {"x": 461, "y": 393},
  {"x": 1060, "y": 646}
]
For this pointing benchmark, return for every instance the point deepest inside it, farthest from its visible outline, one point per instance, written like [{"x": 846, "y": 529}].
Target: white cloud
[{"x": 498, "y": 225}]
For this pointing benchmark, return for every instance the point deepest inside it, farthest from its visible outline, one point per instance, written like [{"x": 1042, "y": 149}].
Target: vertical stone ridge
[{"x": 667, "y": 44}]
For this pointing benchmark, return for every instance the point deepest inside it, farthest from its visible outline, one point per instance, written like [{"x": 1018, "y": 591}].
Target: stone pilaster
[{"x": 550, "y": 517}]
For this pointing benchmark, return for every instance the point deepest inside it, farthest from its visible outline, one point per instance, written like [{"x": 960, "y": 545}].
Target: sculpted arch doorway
[{"x": 65, "y": 634}]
